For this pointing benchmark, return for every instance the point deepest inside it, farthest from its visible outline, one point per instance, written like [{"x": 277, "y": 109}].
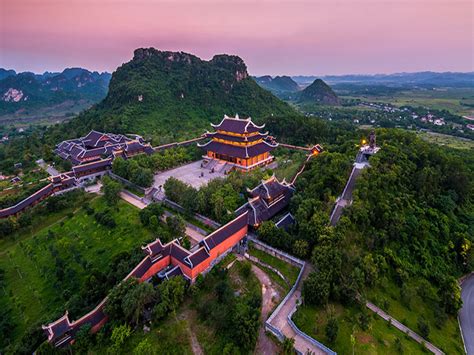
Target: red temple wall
[
  {"x": 186, "y": 269},
  {"x": 229, "y": 243},
  {"x": 99, "y": 325},
  {"x": 156, "y": 267},
  {"x": 198, "y": 269}
]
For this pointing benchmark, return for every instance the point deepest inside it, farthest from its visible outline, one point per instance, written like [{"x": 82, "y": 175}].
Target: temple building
[
  {"x": 239, "y": 143},
  {"x": 166, "y": 261},
  {"x": 266, "y": 201},
  {"x": 96, "y": 145}
]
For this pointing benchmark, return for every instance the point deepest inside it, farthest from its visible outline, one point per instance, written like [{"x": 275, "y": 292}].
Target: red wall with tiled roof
[
  {"x": 155, "y": 268},
  {"x": 228, "y": 243}
]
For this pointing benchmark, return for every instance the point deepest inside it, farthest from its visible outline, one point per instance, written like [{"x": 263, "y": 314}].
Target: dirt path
[
  {"x": 188, "y": 316},
  {"x": 271, "y": 295}
]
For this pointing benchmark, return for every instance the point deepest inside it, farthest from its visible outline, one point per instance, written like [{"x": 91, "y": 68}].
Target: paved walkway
[
  {"x": 403, "y": 328},
  {"x": 466, "y": 315},
  {"x": 189, "y": 173},
  {"x": 132, "y": 200},
  {"x": 49, "y": 169},
  {"x": 280, "y": 321},
  {"x": 346, "y": 198}
]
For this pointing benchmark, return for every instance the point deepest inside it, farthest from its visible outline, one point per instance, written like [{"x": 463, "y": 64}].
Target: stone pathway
[
  {"x": 132, "y": 200},
  {"x": 280, "y": 321}
]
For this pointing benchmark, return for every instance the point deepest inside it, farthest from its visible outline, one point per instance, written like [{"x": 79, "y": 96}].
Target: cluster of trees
[
  {"x": 10, "y": 225},
  {"x": 173, "y": 226},
  {"x": 131, "y": 170},
  {"x": 235, "y": 318},
  {"x": 111, "y": 190},
  {"x": 168, "y": 158},
  {"x": 139, "y": 169},
  {"x": 410, "y": 222},
  {"x": 218, "y": 199},
  {"x": 128, "y": 300},
  {"x": 129, "y": 304}
]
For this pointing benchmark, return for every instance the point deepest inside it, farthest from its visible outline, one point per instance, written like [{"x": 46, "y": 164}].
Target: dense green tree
[
  {"x": 111, "y": 190},
  {"x": 144, "y": 347},
  {"x": 176, "y": 225},
  {"x": 114, "y": 305},
  {"x": 136, "y": 299},
  {"x": 170, "y": 295},
  {"x": 119, "y": 335}
]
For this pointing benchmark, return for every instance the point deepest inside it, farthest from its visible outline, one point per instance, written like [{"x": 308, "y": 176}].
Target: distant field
[
  {"x": 31, "y": 285},
  {"x": 453, "y": 99},
  {"x": 446, "y": 140}
]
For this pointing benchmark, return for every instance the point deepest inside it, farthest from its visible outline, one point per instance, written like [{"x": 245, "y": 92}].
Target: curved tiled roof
[
  {"x": 237, "y": 125},
  {"x": 236, "y": 151},
  {"x": 224, "y": 232},
  {"x": 38, "y": 195}
]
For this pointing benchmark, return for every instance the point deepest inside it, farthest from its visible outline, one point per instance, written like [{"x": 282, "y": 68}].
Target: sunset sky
[{"x": 273, "y": 37}]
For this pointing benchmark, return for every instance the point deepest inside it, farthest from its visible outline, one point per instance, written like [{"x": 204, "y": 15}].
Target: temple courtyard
[{"x": 192, "y": 174}]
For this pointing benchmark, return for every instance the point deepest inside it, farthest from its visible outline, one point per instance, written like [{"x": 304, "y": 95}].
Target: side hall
[{"x": 165, "y": 261}]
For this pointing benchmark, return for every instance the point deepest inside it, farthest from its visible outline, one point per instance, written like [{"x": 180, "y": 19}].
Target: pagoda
[{"x": 239, "y": 142}]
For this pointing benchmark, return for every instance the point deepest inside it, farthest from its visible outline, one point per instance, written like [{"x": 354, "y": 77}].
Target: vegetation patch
[
  {"x": 67, "y": 265},
  {"x": 353, "y": 329},
  {"x": 289, "y": 271}
]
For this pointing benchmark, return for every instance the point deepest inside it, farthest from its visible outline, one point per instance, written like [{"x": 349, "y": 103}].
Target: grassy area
[
  {"x": 289, "y": 162},
  {"x": 169, "y": 337},
  {"x": 446, "y": 140},
  {"x": 41, "y": 221},
  {"x": 276, "y": 279},
  {"x": 445, "y": 336},
  {"x": 289, "y": 271},
  {"x": 32, "y": 285},
  {"x": 378, "y": 338},
  {"x": 452, "y": 99}
]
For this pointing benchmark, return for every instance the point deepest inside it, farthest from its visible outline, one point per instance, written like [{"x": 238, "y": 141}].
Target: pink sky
[{"x": 273, "y": 37}]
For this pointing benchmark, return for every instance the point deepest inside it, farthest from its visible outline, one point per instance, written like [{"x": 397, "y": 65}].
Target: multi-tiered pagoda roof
[{"x": 239, "y": 142}]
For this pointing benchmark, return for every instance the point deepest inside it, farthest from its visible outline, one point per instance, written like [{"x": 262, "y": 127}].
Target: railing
[
  {"x": 306, "y": 336},
  {"x": 275, "y": 252},
  {"x": 268, "y": 326},
  {"x": 132, "y": 195},
  {"x": 276, "y": 271}
]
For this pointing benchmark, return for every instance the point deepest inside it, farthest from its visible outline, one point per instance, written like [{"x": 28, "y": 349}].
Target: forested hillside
[
  {"x": 402, "y": 244},
  {"x": 170, "y": 94}
]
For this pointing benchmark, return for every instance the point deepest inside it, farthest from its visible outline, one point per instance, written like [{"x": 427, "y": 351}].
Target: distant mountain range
[
  {"x": 278, "y": 83},
  {"x": 320, "y": 93},
  {"x": 398, "y": 79},
  {"x": 159, "y": 92},
  {"x": 28, "y": 94},
  {"x": 286, "y": 88}
]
